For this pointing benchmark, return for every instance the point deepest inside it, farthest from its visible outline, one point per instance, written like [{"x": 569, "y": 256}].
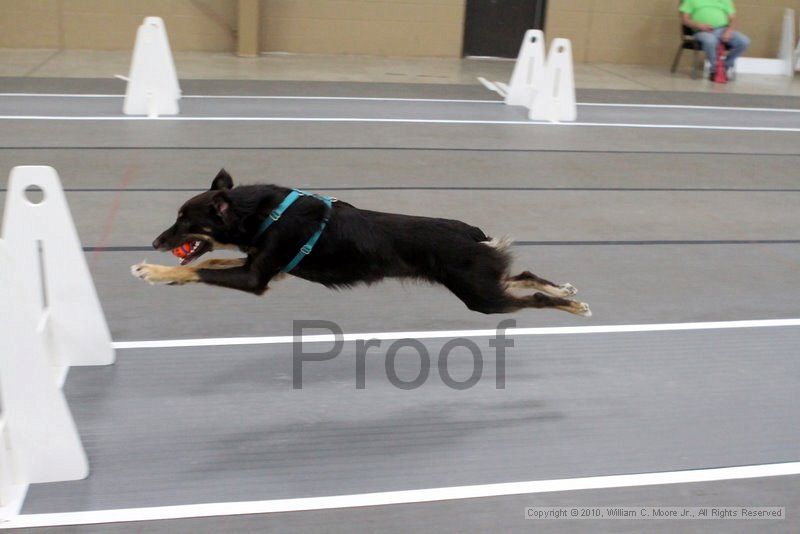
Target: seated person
[{"x": 715, "y": 21}]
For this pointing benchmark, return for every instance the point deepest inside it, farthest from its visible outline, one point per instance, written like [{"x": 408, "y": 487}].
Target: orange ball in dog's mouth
[
  {"x": 190, "y": 250},
  {"x": 183, "y": 250}
]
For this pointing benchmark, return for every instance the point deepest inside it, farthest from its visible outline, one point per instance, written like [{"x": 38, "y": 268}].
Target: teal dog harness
[{"x": 306, "y": 249}]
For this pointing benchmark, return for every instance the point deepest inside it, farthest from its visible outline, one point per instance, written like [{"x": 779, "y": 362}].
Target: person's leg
[
  {"x": 738, "y": 44},
  {"x": 709, "y": 42}
]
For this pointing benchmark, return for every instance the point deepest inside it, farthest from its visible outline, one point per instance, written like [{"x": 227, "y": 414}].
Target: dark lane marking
[
  {"x": 553, "y": 243},
  {"x": 418, "y": 149},
  {"x": 117, "y": 249}
]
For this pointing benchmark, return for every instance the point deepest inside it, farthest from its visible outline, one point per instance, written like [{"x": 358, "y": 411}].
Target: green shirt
[{"x": 715, "y": 13}]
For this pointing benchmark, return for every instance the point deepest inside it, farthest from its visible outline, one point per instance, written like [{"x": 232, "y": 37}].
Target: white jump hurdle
[
  {"x": 51, "y": 320},
  {"x": 528, "y": 73},
  {"x": 153, "y": 88},
  {"x": 544, "y": 85},
  {"x": 556, "y": 99}
]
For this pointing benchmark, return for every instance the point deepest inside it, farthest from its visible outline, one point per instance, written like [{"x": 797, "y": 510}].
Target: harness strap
[
  {"x": 306, "y": 249},
  {"x": 277, "y": 212}
]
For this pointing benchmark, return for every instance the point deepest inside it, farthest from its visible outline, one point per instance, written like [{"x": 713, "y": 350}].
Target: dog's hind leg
[
  {"x": 490, "y": 296},
  {"x": 481, "y": 281},
  {"x": 528, "y": 280},
  {"x": 540, "y": 300}
]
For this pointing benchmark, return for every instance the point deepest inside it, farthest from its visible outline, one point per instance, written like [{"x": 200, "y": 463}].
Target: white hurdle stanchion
[
  {"x": 153, "y": 88},
  {"x": 528, "y": 73},
  {"x": 39, "y": 438},
  {"x": 786, "y": 50},
  {"x": 52, "y": 268},
  {"x": 51, "y": 320},
  {"x": 545, "y": 84},
  {"x": 555, "y": 101}
]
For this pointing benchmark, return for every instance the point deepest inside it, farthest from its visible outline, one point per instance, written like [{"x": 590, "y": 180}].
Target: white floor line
[
  {"x": 363, "y": 98},
  {"x": 400, "y": 121},
  {"x": 254, "y": 119},
  {"x": 403, "y": 497},
  {"x": 434, "y": 334},
  {"x": 680, "y": 126},
  {"x": 678, "y": 106},
  {"x": 61, "y": 95},
  {"x": 440, "y": 100},
  {"x": 266, "y": 97}
]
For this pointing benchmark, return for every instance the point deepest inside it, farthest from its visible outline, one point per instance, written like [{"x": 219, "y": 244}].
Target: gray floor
[
  {"x": 224, "y": 424},
  {"x": 386, "y": 90},
  {"x": 502, "y": 514},
  {"x": 475, "y": 110},
  {"x": 653, "y": 225}
]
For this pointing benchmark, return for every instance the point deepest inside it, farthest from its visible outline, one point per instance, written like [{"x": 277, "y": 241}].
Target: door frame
[{"x": 538, "y": 22}]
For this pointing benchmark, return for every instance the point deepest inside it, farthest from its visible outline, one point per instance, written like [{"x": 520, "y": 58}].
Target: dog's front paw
[
  {"x": 162, "y": 274},
  {"x": 145, "y": 271}
]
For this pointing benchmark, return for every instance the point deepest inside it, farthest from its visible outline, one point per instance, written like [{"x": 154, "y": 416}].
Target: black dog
[{"x": 357, "y": 246}]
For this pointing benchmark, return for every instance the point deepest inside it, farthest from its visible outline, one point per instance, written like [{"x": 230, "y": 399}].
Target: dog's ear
[
  {"x": 222, "y": 181},
  {"x": 221, "y": 204}
]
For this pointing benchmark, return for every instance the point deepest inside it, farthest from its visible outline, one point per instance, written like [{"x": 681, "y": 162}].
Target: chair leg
[
  {"x": 677, "y": 59},
  {"x": 694, "y": 64}
]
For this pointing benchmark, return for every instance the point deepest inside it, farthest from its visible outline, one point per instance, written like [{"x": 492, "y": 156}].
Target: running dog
[{"x": 354, "y": 246}]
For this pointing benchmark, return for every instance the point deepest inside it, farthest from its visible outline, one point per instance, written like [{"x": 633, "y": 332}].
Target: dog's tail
[
  {"x": 500, "y": 251},
  {"x": 501, "y": 244}
]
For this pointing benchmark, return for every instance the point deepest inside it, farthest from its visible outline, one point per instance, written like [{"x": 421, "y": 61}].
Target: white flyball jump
[
  {"x": 51, "y": 320},
  {"x": 555, "y": 101},
  {"x": 545, "y": 86},
  {"x": 153, "y": 88},
  {"x": 528, "y": 70}
]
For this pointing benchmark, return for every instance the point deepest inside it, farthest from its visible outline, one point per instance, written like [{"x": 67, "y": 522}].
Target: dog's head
[{"x": 204, "y": 222}]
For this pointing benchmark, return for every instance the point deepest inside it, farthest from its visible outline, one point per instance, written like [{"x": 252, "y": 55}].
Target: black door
[{"x": 495, "y": 27}]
